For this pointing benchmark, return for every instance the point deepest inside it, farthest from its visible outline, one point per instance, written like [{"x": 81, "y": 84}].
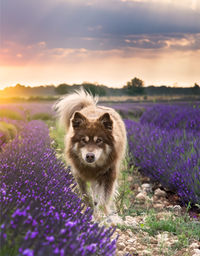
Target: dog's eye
[
  {"x": 83, "y": 140},
  {"x": 99, "y": 141}
]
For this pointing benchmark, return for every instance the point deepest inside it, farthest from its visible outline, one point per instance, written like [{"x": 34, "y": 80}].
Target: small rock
[
  {"x": 194, "y": 246},
  {"x": 158, "y": 206},
  {"x": 153, "y": 240},
  {"x": 130, "y": 178},
  {"x": 120, "y": 253},
  {"x": 141, "y": 197},
  {"x": 128, "y": 231},
  {"x": 147, "y": 187},
  {"x": 121, "y": 246},
  {"x": 130, "y": 241},
  {"x": 133, "y": 251},
  {"x": 121, "y": 238},
  {"x": 177, "y": 209},
  {"x": 160, "y": 193},
  {"x": 115, "y": 219},
  {"x": 196, "y": 252},
  {"x": 164, "y": 237},
  {"x": 130, "y": 221}
]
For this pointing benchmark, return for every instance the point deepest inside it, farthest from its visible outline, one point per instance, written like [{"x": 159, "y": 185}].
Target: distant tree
[
  {"x": 196, "y": 89},
  {"x": 62, "y": 89},
  {"x": 134, "y": 87},
  {"x": 19, "y": 86}
]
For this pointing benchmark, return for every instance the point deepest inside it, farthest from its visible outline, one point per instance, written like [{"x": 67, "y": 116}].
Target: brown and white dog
[{"x": 95, "y": 145}]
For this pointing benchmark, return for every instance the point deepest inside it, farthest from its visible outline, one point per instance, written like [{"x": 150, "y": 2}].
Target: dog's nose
[{"x": 90, "y": 157}]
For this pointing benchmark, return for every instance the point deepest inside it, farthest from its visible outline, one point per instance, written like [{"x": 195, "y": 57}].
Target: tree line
[{"x": 133, "y": 87}]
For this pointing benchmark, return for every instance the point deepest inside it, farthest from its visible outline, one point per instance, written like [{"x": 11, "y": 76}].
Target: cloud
[
  {"x": 110, "y": 68},
  {"x": 68, "y": 24},
  {"x": 192, "y": 4},
  {"x": 99, "y": 40},
  {"x": 143, "y": 46}
]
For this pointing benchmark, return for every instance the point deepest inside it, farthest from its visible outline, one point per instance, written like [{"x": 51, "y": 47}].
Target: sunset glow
[{"x": 108, "y": 42}]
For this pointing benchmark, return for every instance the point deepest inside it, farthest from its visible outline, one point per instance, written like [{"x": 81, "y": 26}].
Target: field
[{"x": 42, "y": 213}]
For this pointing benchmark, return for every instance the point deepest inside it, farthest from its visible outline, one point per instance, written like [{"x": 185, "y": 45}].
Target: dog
[{"x": 95, "y": 146}]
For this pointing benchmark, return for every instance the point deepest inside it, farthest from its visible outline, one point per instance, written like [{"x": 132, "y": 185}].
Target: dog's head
[{"x": 92, "y": 140}]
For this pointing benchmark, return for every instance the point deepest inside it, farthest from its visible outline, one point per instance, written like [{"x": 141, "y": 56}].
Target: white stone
[
  {"x": 177, "y": 209},
  {"x": 147, "y": 187},
  {"x": 120, "y": 253},
  {"x": 121, "y": 246},
  {"x": 115, "y": 219},
  {"x": 130, "y": 178},
  {"x": 130, "y": 241},
  {"x": 141, "y": 197},
  {"x": 196, "y": 252},
  {"x": 158, "y": 206},
  {"x": 130, "y": 221},
  {"x": 128, "y": 231},
  {"x": 163, "y": 238},
  {"x": 194, "y": 246},
  {"x": 133, "y": 250},
  {"x": 160, "y": 193}
]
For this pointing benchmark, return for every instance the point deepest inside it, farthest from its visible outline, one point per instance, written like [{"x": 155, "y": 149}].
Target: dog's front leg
[
  {"x": 109, "y": 190},
  {"x": 83, "y": 190},
  {"x": 103, "y": 191}
]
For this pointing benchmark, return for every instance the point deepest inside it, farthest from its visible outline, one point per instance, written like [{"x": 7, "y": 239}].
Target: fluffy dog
[{"x": 95, "y": 145}]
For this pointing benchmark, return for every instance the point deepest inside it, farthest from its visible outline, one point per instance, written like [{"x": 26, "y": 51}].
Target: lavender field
[{"x": 40, "y": 212}]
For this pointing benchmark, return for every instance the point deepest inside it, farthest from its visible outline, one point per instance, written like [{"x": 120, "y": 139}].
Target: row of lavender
[
  {"x": 165, "y": 144},
  {"x": 40, "y": 214},
  {"x": 173, "y": 116},
  {"x": 11, "y": 115}
]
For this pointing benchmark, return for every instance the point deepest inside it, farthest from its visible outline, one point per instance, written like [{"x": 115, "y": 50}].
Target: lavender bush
[
  {"x": 26, "y": 111},
  {"x": 40, "y": 214},
  {"x": 130, "y": 109},
  {"x": 2, "y": 140},
  {"x": 175, "y": 116},
  {"x": 171, "y": 157}
]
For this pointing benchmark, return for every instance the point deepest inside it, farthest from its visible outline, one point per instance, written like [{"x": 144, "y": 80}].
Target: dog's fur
[{"x": 95, "y": 144}]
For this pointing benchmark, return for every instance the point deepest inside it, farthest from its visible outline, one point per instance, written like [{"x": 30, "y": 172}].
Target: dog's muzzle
[{"x": 90, "y": 157}]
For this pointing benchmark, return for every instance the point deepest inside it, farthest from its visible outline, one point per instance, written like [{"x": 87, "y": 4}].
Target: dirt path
[{"x": 149, "y": 224}]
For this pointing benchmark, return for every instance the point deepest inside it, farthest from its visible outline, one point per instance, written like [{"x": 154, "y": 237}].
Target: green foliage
[
  {"x": 9, "y": 248},
  {"x": 57, "y": 134},
  {"x": 181, "y": 226},
  {"x": 134, "y": 87},
  {"x": 8, "y": 113},
  {"x": 125, "y": 227},
  {"x": 42, "y": 116},
  {"x": 123, "y": 202},
  {"x": 9, "y": 131},
  {"x": 62, "y": 89}
]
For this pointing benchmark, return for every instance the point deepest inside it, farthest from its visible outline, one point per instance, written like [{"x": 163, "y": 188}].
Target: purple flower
[
  {"x": 44, "y": 210},
  {"x": 50, "y": 238},
  {"x": 28, "y": 252}
]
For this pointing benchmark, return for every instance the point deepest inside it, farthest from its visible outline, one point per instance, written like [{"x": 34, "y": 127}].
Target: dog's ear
[
  {"x": 106, "y": 121},
  {"x": 78, "y": 120}
]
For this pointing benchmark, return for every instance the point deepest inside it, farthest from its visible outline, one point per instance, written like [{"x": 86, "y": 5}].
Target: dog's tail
[{"x": 71, "y": 103}]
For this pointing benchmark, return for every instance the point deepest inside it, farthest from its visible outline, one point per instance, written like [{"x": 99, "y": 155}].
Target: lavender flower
[
  {"x": 40, "y": 213},
  {"x": 171, "y": 157}
]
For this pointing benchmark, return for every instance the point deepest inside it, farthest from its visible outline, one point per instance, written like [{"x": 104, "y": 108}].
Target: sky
[{"x": 100, "y": 41}]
